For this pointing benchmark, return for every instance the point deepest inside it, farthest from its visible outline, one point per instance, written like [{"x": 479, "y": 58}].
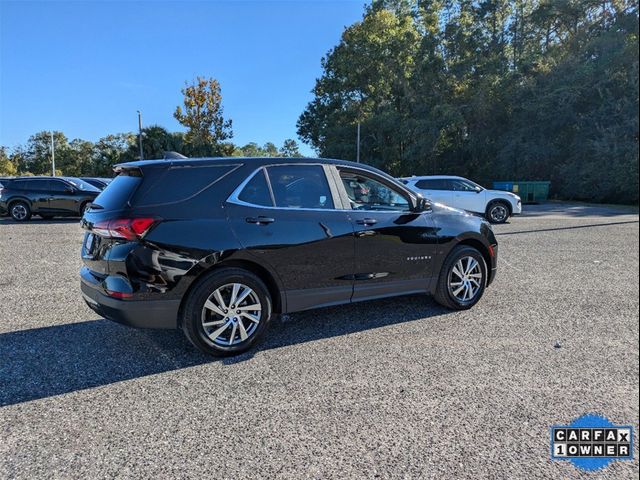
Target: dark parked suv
[
  {"x": 45, "y": 196},
  {"x": 217, "y": 246}
]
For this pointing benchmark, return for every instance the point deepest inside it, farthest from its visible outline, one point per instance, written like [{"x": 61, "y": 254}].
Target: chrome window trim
[{"x": 234, "y": 197}]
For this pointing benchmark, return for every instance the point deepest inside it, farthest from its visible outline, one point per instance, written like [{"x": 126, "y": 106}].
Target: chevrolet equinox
[{"x": 218, "y": 246}]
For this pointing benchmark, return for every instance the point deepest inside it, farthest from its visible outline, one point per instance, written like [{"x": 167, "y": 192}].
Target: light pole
[
  {"x": 358, "y": 145},
  {"x": 140, "y": 134},
  {"x": 53, "y": 157}
]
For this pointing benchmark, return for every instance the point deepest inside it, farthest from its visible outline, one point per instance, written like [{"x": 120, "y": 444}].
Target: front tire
[
  {"x": 462, "y": 280},
  {"x": 498, "y": 212},
  {"x": 20, "y": 211},
  {"x": 227, "y": 312}
]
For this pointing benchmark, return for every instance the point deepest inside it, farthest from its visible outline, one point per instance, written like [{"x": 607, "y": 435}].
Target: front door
[
  {"x": 63, "y": 197},
  {"x": 395, "y": 246},
  {"x": 285, "y": 216},
  {"x": 466, "y": 195}
]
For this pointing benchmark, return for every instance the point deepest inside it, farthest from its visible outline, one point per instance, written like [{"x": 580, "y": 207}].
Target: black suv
[
  {"x": 217, "y": 246},
  {"x": 45, "y": 196}
]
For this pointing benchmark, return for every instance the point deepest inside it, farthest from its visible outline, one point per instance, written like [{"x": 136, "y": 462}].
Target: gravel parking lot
[{"x": 397, "y": 388}]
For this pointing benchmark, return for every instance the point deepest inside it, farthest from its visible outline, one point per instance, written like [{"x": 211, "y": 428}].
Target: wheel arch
[
  {"x": 269, "y": 279},
  {"x": 504, "y": 201},
  {"x": 480, "y": 246},
  {"x": 13, "y": 200}
]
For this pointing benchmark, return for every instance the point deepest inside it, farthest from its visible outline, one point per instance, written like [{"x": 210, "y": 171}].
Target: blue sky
[{"x": 85, "y": 67}]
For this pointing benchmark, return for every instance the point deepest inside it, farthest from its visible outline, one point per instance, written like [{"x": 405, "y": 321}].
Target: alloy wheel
[
  {"x": 19, "y": 212},
  {"x": 465, "y": 279},
  {"x": 231, "y": 314},
  {"x": 499, "y": 213}
]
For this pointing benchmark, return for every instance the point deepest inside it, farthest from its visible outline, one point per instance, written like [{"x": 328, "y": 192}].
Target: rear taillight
[{"x": 125, "y": 228}]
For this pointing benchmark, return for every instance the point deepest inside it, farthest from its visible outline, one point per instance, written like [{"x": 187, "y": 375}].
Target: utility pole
[
  {"x": 53, "y": 157},
  {"x": 358, "y": 145},
  {"x": 140, "y": 134}
]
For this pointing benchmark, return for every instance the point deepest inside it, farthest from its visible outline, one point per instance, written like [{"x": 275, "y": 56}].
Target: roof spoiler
[{"x": 173, "y": 156}]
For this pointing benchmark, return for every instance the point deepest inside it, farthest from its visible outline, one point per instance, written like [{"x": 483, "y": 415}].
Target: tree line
[
  {"x": 208, "y": 134},
  {"x": 487, "y": 89}
]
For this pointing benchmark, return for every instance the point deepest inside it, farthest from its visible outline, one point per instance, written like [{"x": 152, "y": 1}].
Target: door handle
[
  {"x": 367, "y": 221},
  {"x": 260, "y": 220}
]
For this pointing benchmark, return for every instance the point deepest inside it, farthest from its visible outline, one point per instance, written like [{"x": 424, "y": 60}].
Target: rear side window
[
  {"x": 300, "y": 186},
  {"x": 176, "y": 184},
  {"x": 256, "y": 191},
  {"x": 116, "y": 195},
  {"x": 434, "y": 184},
  {"x": 36, "y": 185}
]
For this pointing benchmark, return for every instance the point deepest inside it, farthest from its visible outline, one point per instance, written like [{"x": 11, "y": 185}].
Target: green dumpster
[{"x": 529, "y": 192}]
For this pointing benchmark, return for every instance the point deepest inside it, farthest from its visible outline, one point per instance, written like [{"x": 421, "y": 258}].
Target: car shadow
[
  {"x": 578, "y": 210},
  {"x": 575, "y": 227},
  {"x": 43, "y": 362},
  {"x": 40, "y": 221}
]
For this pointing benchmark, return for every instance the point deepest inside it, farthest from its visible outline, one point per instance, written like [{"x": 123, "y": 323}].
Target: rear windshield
[
  {"x": 177, "y": 184},
  {"x": 118, "y": 192},
  {"x": 81, "y": 184}
]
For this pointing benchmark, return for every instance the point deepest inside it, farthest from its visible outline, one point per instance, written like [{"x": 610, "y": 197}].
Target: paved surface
[{"x": 393, "y": 388}]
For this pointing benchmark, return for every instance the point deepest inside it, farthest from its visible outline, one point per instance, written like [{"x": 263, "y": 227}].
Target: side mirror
[
  {"x": 69, "y": 190},
  {"x": 421, "y": 205},
  {"x": 478, "y": 189}
]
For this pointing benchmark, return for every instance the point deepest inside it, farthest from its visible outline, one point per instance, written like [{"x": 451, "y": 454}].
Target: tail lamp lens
[{"x": 125, "y": 228}]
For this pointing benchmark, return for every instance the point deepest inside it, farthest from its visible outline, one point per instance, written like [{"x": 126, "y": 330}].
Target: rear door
[
  {"x": 37, "y": 190},
  {"x": 286, "y": 216},
  {"x": 437, "y": 190},
  {"x": 395, "y": 246}
]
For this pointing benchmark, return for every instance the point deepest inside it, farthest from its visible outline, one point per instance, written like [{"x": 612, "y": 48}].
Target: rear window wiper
[{"x": 95, "y": 206}]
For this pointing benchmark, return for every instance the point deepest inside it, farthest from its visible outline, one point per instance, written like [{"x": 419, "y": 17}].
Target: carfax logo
[{"x": 591, "y": 442}]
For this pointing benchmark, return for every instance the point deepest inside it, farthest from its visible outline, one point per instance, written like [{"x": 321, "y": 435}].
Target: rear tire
[
  {"x": 463, "y": 274},
  {"x": 215, "y": 324},
  {"x": 20, "y": 211},
  {"x": 498, "y": 212}
]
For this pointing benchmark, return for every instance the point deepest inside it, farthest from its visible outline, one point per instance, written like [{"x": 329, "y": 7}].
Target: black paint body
[
  {"x": 308, "y": 258},
  {"x": 47, "y": 196}
]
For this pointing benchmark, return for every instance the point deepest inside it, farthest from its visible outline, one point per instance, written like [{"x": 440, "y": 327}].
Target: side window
[
  {"x": 461, "y": 186},
  {"x": 433, "y": 184},
  {"x": 37, "y": 185},
  {"x": 256, "y": 191},
  {"x": 368, "y": 194},
  {"x": 300, "y": 186},
  {"x": 57, "y": 186}
]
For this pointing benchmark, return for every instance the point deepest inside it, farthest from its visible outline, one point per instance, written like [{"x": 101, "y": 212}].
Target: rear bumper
[{"x": 134, "y": 313}]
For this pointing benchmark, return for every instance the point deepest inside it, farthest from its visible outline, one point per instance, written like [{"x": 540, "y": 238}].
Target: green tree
[
  {"x": 37, "y": 153},
  {"x": 490, "y": 89},
  {"x": 7, "y": 167},
  {"x": 111, "y": 150},
  {"x": 289, "y": 149},
  {"x": 202, "y": 114}
]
